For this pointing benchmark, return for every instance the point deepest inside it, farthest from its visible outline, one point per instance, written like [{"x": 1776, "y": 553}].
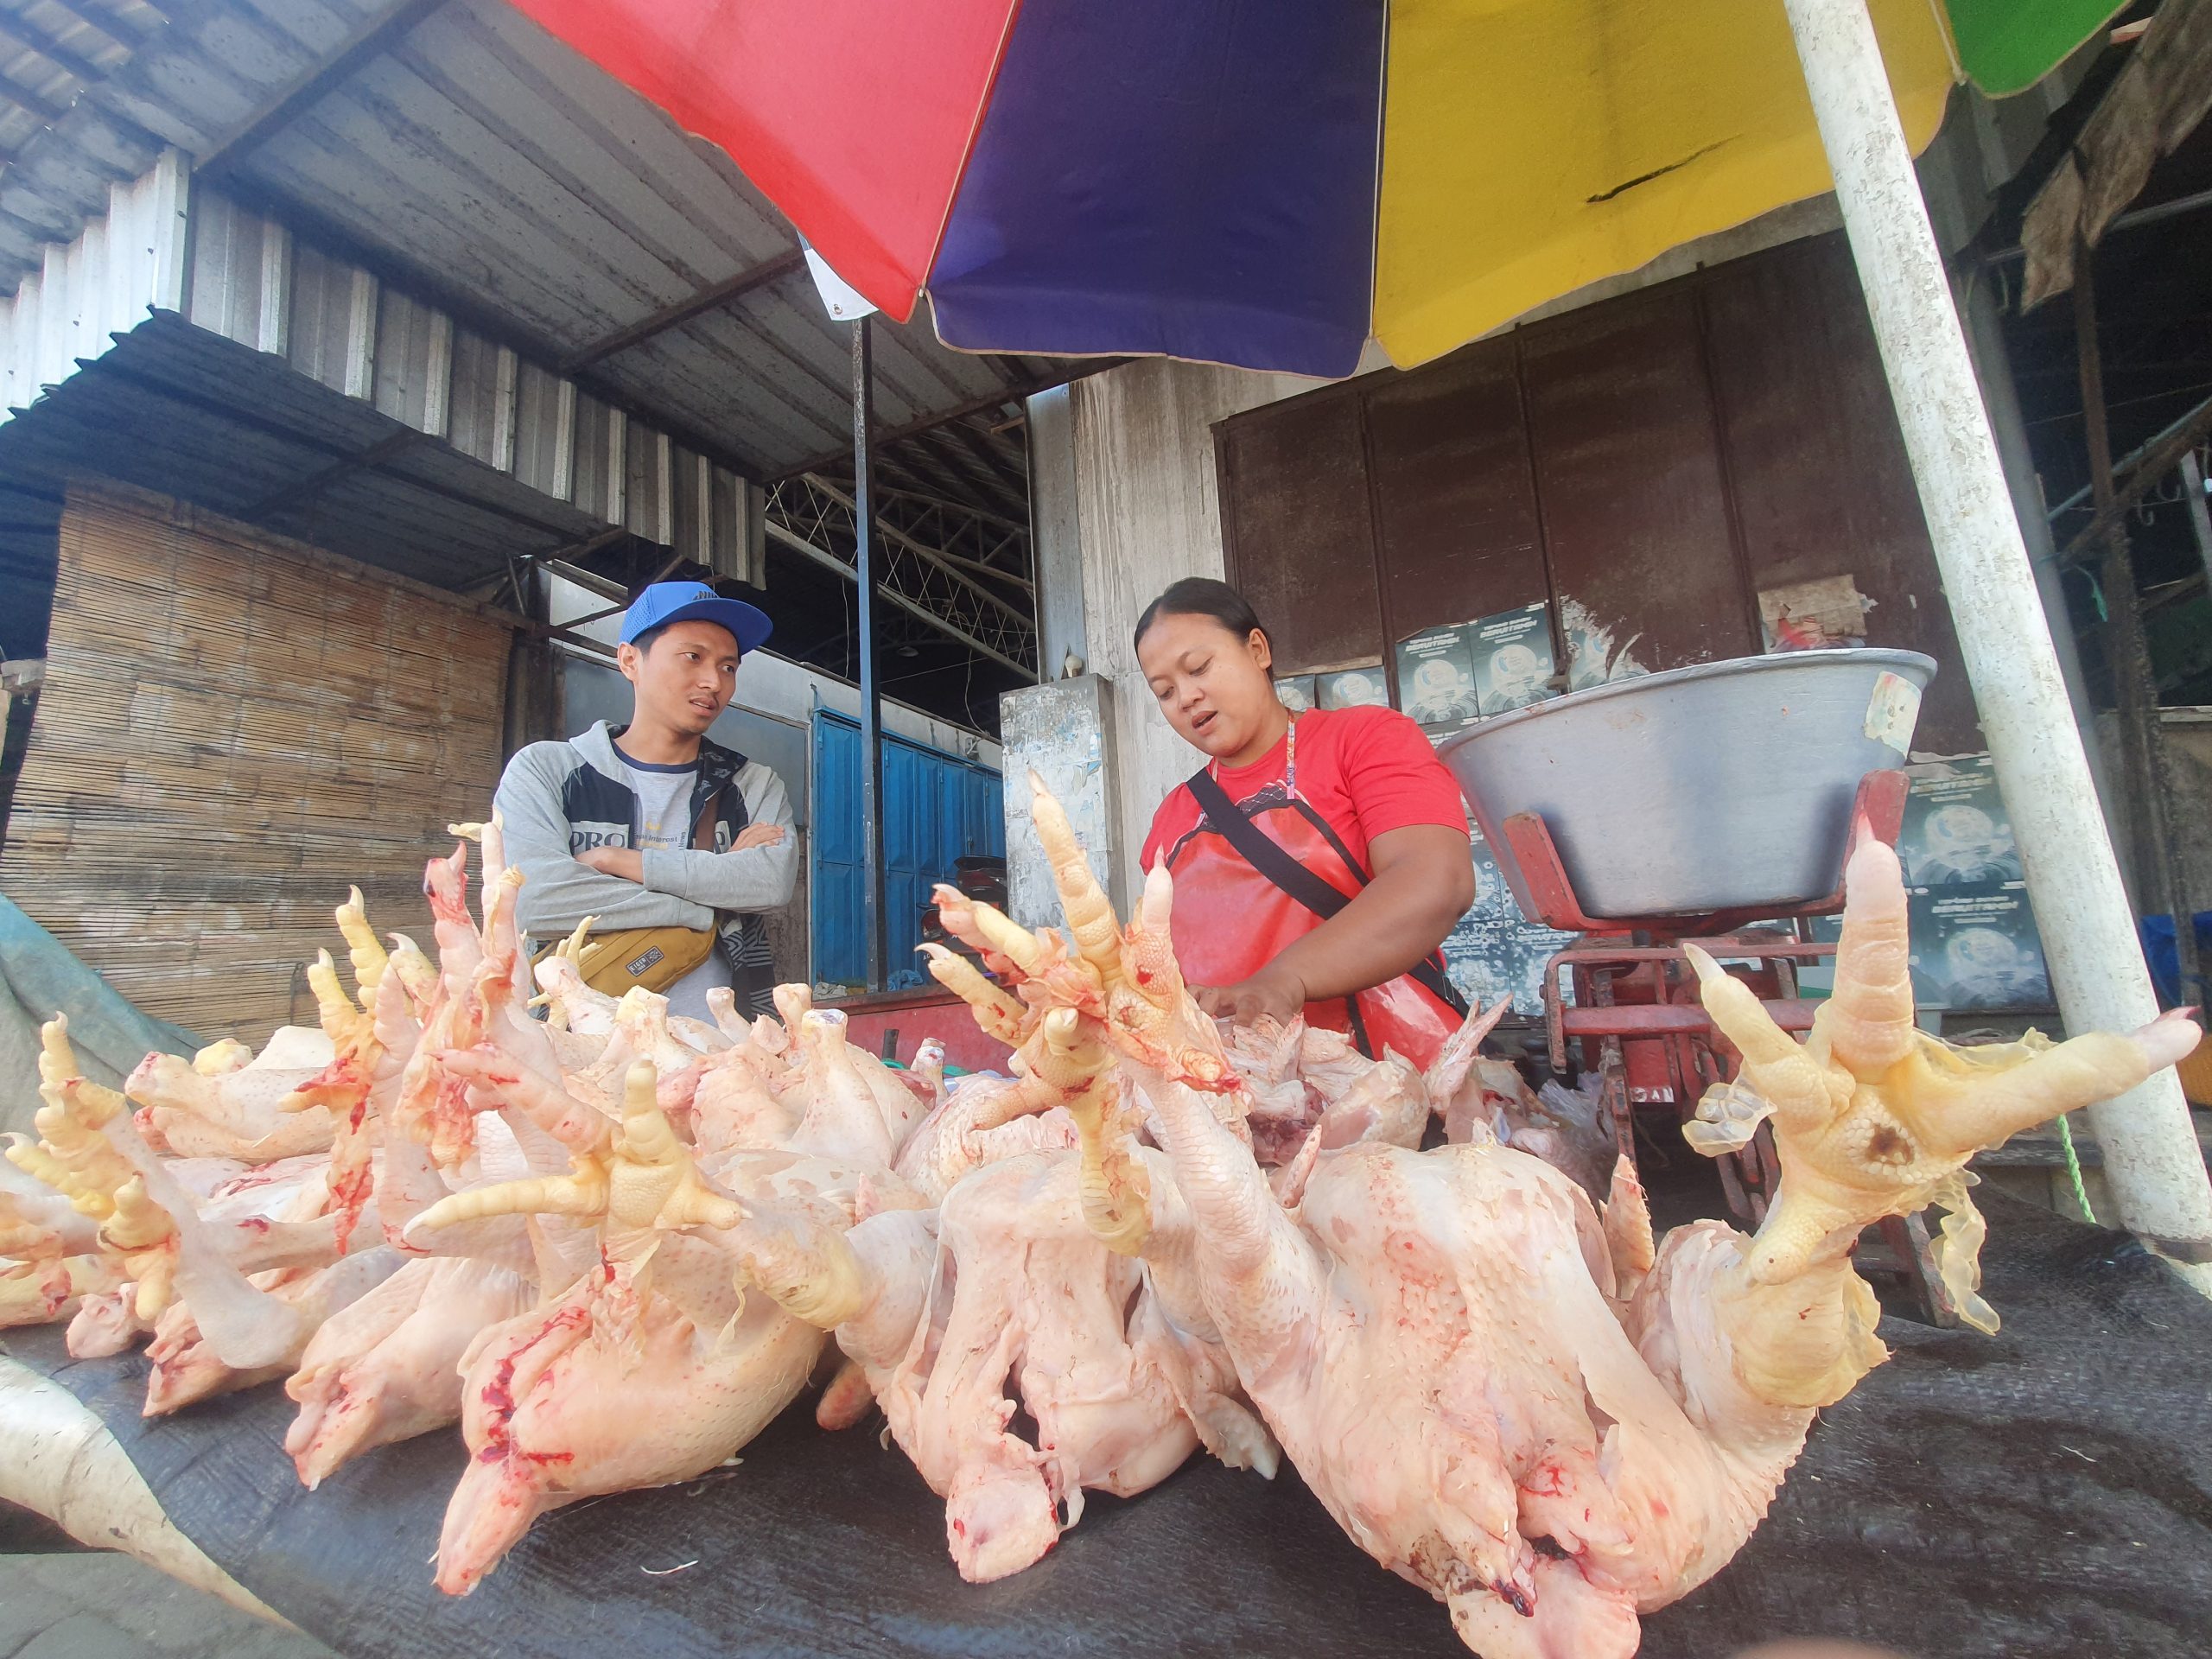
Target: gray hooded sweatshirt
[{"x": 559, "y": 799}]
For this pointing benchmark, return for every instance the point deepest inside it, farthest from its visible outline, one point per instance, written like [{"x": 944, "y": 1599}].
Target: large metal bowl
[{"x": 1713, "y": 787}]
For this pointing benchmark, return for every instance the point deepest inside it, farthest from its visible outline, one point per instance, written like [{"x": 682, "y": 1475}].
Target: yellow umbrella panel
[{"x": 1531, "y": 147}]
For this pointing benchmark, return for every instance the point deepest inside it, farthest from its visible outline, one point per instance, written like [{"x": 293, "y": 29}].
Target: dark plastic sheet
[{"x": 2047, "y": 1491}]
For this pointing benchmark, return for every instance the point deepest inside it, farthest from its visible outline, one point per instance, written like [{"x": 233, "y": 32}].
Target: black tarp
[{"x": 2046, "y": 1491}]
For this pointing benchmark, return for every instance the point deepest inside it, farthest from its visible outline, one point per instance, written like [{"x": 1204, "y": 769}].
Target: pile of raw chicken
[{"x": 612, "y": 1245}]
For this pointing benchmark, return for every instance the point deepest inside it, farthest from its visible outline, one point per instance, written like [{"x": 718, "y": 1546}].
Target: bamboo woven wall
[{"x": 234, "y": 727}]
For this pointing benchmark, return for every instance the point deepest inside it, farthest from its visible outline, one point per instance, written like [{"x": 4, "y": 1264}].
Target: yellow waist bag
[{"x": 655, "y": 958}]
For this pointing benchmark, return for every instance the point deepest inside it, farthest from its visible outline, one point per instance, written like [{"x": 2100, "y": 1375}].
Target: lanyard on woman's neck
[{"x": 1289, "y": 761}]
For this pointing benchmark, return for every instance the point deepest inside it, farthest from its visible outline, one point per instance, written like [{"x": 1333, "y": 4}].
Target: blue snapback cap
[{"x": 694, "y": 602}]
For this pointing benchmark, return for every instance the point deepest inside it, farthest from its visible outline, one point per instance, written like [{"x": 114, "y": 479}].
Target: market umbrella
[{"x": 1270, "y": 182}]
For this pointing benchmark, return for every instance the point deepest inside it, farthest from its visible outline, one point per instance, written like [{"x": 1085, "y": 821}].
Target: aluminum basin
[{"x": 1713, "y": 787}]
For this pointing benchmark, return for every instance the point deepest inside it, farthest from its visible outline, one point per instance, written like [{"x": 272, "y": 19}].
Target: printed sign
[
  {"x": 1449, "y": 678},
  {"x": 1975, "y": 946},
  {"x": 1973, "y": 939},
  {"x": 1436, "y": 680},
  {"x": 1495, "y": 951},
  {"x": 1296, "y": 692},
  {"x": 1512, "y": 656},
  {"x": 1956, "y": 831},
  {"x": 1352, "y": 688}
]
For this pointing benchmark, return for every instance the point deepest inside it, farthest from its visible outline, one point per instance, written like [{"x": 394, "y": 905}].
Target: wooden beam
[
  {"x": 711, "y": 298},
  {"x": 1080, "y": 370},
  {"x": 570, "y": 550},
  {"x": 308, "y": 89}
]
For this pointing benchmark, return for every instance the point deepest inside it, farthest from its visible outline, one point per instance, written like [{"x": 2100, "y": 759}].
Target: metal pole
[
  {"x": 2150, "y": 1151},
  {"x": 871, "y": 694},
  {"x": 2135, "y": 687},
  {"x": 2000, "y": 396},
  {"x": 2200, "y": 518}
]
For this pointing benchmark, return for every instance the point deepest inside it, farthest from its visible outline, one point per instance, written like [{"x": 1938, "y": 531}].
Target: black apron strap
[{"x": 1267, "y": 855}]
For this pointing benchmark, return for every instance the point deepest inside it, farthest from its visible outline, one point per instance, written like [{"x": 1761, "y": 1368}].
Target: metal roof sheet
[{"x": 486, "y": 165}]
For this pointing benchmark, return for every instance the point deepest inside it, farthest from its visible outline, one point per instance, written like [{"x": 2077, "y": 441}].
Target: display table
[{"x": 2046, "y": 1491}]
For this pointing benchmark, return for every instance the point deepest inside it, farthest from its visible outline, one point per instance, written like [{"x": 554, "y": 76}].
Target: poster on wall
[
  {"x": 1512, "y": 655},
  {"x": 1361, "y": 686},
  {"x": 1495, "y": 951},
  {"x": 1974, "y": 941},
  {"x": 1805, "y": 615},
  {"x": 1296, "y": 692},
  {"x": 1975, "y": 946},
  {"x": 1956, "y": 831},
  {"x": 1436, "y": 680}
]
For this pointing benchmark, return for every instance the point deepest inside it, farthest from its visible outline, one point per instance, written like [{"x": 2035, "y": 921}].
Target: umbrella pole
[
  {"x": 872, "y": 921},
  {"x": 2151, "y": 1155}
]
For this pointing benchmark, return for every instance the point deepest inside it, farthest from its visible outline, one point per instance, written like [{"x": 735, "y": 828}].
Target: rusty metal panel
[
  {"x": 1297, "y": 529},
  {"x": 1633, "y": 491},
  {"x": 1455, "y": 496},
  {"x": 1822, "y": 486}
]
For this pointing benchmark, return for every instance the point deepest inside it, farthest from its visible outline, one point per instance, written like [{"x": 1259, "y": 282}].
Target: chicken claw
[
  {"x": 71, "y": 1155},
  {"x": 368, "y": 953},
  {"x": 999, "y": 1014},
  {"x": 1089, "y": 914},
  {"x": 645, "y": 1184},
  {"x": 1872, "y": 1116},
  {"x": 1114, "y": 1184}
]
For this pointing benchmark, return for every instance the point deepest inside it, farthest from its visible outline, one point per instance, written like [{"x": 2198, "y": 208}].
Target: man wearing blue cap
[{"x": 649, "y": 825}]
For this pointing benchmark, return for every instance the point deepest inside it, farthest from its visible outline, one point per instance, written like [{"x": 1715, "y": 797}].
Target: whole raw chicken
[
  {"x": 1003, "y": 1301},
  {"x": 1504, "y": 1397},
  {"x": 656, "y": 1333}
]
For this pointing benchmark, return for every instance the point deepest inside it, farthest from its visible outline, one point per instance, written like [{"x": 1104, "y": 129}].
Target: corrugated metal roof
[
  {"x": 242, "y": 440},
  {"x": 509, "y": 180}
]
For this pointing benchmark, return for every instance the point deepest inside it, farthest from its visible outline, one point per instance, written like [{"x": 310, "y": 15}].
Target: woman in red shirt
[{"x": 1343, "y": 862}]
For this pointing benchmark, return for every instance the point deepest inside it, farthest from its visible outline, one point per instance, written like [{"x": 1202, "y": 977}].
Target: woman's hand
[
  {"x": 1424, "y": 881},
  {"x": 1274, "y": 991}
]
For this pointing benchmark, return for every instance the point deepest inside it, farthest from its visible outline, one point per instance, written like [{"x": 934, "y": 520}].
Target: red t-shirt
[{"x": 1362, "y": 773}]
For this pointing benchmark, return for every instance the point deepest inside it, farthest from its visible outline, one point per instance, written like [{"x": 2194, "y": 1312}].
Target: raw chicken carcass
[
  {"x": 1001, "y": 1300},
  {"x": 1522, "y": 1407},
  {"x": 51, "y": 1266},
  {"x": 389, "y": 1366},
  {"x": 649, "y": 1368},
  {"x": 223, "y": 1103}
]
